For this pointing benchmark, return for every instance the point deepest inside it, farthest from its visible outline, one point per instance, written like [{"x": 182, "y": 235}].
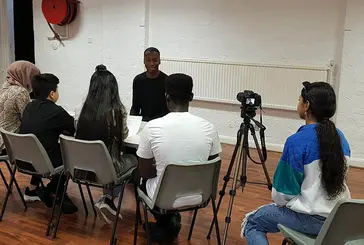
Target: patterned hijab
[{"x": 20, "y": 73}]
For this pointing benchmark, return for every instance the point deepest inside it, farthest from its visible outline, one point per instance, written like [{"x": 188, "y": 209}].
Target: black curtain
[{"x": 24, "y": 30}]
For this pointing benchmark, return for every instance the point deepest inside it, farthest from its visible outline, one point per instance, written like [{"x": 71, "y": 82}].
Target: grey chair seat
[
  {"x": 145, "y": 198},
  {"x": 92, "y": 160},
  {"x": 344, "y": 226},
  {"x": 126, "y": 175},
  {"x": 26, "y": 149},
  {"x": 170, "y": 197},
  {"x": 4, "y": 158},
  {"x": 297, "y": 237}
]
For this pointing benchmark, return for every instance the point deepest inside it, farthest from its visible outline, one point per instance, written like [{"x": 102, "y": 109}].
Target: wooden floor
[{"x": 19, "y": 227}]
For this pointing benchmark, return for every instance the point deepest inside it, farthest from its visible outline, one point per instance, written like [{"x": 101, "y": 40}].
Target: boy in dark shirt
[
  {"x": 149, "y": 99},
  {"x": 47, "y": 121}
]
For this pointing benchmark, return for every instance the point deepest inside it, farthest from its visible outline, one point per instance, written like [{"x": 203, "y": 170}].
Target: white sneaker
[
  {"x": 31, "y": 195},
  {"x": 100, "y": 214},
  {"x": 108, "y": 209}
]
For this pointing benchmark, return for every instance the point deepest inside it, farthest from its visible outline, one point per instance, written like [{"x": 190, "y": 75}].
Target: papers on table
[{"x": 134, "y": 123}]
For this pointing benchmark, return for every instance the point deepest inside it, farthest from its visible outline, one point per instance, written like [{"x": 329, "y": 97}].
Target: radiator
[{"x": 279, "y": 85}]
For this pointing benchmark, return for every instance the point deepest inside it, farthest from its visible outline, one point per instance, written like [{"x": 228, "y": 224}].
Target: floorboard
[{"x": 19, "y": 227}]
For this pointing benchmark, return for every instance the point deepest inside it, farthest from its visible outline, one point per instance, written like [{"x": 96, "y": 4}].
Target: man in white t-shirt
[{"x": 177, "y": 137}]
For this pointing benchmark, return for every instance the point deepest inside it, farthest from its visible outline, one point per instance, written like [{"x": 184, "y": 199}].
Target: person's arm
[
  {"x": 146, "y": 158},
  {"x": 216, "y": 145},
  {"x": 67, "y": 123},
  {"x": 21, "y": 101},
  {"x": 136, "y": 102},
  {"x": 289, "y": 175}
]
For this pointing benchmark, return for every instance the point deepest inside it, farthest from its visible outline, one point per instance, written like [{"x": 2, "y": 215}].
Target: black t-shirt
[
  {"x": 47, "y": 121},
  {"x": 149, "y": 99}
]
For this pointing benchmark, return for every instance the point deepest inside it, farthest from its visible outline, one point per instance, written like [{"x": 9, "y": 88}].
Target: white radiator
[{"x": 220, "y": 82}]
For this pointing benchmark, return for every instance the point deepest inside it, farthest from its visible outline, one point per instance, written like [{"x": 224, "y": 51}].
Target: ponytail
[
  {"x": 333, "y": 163},
  {"x": 322, "y": 106}
]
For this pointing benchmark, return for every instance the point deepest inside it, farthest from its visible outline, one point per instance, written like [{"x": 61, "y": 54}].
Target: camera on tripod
[{"x": 250, "y": 101}]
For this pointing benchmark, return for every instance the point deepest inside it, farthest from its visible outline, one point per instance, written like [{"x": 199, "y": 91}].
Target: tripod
[{"x": 243, "y": 154}]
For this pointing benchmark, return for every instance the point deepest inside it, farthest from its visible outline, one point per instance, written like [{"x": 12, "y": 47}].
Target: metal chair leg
[
  {"x": 3, "y": 177},
  {"x": 192, "y": 224},
  {"x": 137, "y": 219},
  {"x": 7, "y": 194},
  {"x": 216, "y": 221},
  {"x": 61, "y": 207},
  {"x": 83, "y": 198},
  {"x": 113, "y": 239},
  {"x": 149, "y": 242},
  {"x": 139, "y": 216},
  {"x": 91, "y": 199},
  {"x": 16, "y": 185},
  {"x": 50, "y": 225}
]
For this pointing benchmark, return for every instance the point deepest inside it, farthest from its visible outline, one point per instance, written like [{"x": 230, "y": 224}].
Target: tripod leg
[
  {"x": 226, "y": 178},
  {"x": 232, "y": 192},
  {"x": 269, "y": 183}
]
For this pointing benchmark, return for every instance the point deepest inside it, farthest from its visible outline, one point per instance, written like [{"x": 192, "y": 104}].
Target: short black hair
[
  {"x": 43, "y": 84},
  {"x": 151, "y": 49},
  {"x": 179, "y": 88}
]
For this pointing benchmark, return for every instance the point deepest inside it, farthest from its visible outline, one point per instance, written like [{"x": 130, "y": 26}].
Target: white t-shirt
[{"x": 174, "y": 138}]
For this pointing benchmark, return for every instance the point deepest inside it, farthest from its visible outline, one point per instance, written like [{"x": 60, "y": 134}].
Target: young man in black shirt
[
  {"x": 149, "y": 99},
  {"x": 47, "y": 121}
]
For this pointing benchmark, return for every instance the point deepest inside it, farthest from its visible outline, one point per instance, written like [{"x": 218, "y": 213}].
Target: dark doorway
[{"x": 24, "y": 30}]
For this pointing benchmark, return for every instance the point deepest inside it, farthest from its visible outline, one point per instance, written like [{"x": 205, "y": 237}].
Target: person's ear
[
  {"x": 306, "y": 106},
  {"x": 191, "y": 97}
]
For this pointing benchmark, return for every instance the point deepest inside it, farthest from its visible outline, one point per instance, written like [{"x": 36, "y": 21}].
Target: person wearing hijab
[{"x": 14, "y": 96}]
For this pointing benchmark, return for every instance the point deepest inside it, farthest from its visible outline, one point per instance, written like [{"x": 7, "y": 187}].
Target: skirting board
[{"x": 354, "y": 162}]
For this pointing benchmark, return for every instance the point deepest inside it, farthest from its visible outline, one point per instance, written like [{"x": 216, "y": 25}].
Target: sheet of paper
[{"x": 134, "y": 123}]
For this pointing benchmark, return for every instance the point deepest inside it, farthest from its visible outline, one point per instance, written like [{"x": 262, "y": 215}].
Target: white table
[{"x": 133, "y": 141}]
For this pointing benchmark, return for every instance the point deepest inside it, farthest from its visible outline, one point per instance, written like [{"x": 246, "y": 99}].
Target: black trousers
[
  {"x": 3, "y": 153},
  {"x": 52, "y": 185}
]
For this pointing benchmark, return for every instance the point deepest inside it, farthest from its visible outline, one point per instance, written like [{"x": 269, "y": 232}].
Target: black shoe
[
  {"x": 159, "y": 234},
  {"x": 68, "y": 206},
  {"x": 45, "y": 197},
  {"x": 175, "y": 224},
  {"x": 31, "y": 195}
]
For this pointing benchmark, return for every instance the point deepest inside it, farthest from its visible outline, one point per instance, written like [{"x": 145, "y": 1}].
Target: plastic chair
[
  {"x": 92, "y": 159},
  {"x": 5, "y": 159},
  {"x": 27, "y": 149},
  {"x": 200, "y": 188},
  {"x": 344, "y": 226}
]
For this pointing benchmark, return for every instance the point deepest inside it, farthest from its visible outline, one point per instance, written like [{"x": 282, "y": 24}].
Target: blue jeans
[{"x": 266, "y": 219}]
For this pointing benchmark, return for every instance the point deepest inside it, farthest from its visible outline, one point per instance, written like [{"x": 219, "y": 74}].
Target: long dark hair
[
  {"x": 322, "y": 105},
  {"x": 103, "y": 108}
]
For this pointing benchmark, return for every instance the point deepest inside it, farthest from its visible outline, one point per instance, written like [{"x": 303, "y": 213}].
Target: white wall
[
  {"x": 117, "y": 41},
  {"x": 262, "y": 31},
  {"x": 351, "y": 95}
]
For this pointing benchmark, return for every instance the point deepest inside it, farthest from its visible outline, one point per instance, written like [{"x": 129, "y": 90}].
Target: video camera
[{"x": 250, "y": 101}]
